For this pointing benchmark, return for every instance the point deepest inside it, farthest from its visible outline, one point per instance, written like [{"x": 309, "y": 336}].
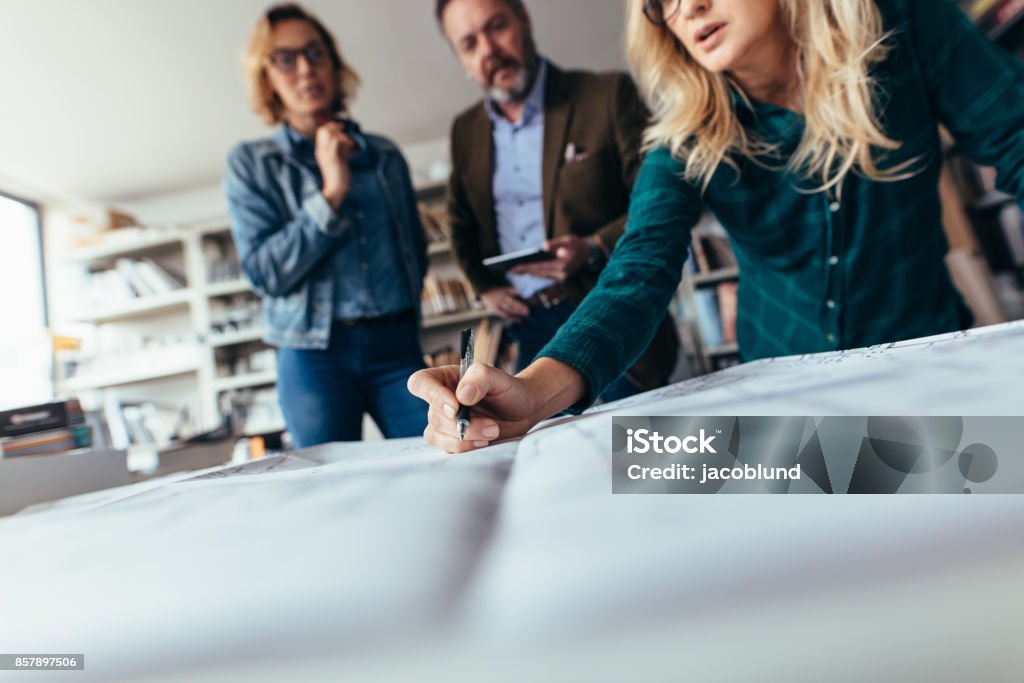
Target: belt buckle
[{"x": 548, "y": 302}]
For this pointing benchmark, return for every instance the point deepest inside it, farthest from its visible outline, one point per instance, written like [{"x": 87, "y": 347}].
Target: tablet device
[{"x": 506, "y": 261}]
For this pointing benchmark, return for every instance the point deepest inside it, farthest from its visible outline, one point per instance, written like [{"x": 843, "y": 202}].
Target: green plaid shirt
[{"x": 819, "y": 274}]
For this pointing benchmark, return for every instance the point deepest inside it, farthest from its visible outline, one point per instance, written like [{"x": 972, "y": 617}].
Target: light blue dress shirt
[{"x": 518, "y": 181}]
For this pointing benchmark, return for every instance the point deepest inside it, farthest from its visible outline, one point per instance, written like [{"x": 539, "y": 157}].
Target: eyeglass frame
[
  {"x": 313, "y": 61},
  {"x": 661, "y": 19}
]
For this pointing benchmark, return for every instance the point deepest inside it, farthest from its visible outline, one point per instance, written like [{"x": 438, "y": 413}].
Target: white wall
[{"x": 428, "y": 162}]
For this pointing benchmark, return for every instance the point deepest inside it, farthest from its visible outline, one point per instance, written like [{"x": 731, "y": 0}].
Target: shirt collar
[
  {"x": 297, "y": 144},
  {"x": 534, "y": 101}
]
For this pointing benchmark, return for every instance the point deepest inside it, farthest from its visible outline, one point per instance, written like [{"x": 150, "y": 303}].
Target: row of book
[
  {"x": 256, "y": 410},
  {"x": 44, "y": 429},
  {"x": 445, "y": 296},
  {"x": 235, "y": 313},
  {"x": 221, "y": 258},
  {"x": 145, "y": 423},
  {"x": 488, "y": 347},
  {"x": 714, "y": 311},
  {"x": 434, "y": 217},
  {"x": 130, "y": 278},
  {"x": 246, "y": 360}
]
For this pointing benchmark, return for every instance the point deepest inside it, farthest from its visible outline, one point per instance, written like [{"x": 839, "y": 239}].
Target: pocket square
[{"x": 573, "y": 154}]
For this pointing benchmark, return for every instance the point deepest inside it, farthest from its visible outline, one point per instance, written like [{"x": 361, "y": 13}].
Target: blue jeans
[
  {"x": 365, "y": 368},
  {"x": 537, "y": 330}
]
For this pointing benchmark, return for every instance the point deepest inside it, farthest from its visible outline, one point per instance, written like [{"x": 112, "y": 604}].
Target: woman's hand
[
  {"x": 503, "y": 406},
  {"x": 333, "y": 149}
]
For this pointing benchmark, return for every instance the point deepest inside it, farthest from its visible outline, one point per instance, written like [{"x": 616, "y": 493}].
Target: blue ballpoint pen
[{"x": 465, "y": 361}]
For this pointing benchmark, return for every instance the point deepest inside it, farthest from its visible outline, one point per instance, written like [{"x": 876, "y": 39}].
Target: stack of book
[{"x": 45, "y": 429}]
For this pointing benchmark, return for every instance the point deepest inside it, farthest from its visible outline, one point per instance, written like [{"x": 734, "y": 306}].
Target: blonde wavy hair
[
  {"x": 838, "y": 41},
  {"x": 262, "y": 98}
]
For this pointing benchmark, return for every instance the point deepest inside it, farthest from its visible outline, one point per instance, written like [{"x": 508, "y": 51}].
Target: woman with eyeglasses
[
  {"x": 328, "y": 233},
  {"x": 809, "y": 128}
]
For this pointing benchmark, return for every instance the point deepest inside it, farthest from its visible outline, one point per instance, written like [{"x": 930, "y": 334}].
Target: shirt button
[
  {"x": 833, "y": 207},
  {"x": 831, "y": 338},
  {"x": 365, "y": 266},
  {"x": 834, "y": 261},
  {"x": 362, "y": 240},
  {"x": 830, "y": 303}
]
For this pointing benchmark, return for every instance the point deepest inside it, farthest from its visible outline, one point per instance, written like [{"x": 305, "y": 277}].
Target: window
[{"x": 26, "y": 358}]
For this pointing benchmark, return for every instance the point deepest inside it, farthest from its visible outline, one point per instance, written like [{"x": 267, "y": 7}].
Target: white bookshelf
[
  {"x": 188, "y": 312},
  {"x": 233, "y": 338},
  {"x": 114, "y": 378},
  {"x": 227, "y": 288},
  {"x": 138, "y": 308},
  {"x": 176, "y": 375},
  {"x": 245, "y": 380},
  {"x": 126, "y": 242}
]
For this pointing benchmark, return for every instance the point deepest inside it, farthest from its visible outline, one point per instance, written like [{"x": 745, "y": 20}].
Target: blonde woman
[
  {"x": 809, "y": 128},
  {"x": 328, "y": 233}
]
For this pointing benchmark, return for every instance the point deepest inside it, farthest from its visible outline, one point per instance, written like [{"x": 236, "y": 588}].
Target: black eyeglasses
[
  {"x": 287, "y": 59},
  {"x": 660, "y": 12}
]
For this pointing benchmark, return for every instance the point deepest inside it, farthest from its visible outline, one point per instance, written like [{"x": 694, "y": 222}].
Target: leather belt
[
  {"x": 406, "y": 316},
  {"x": 549, "y": 297}
]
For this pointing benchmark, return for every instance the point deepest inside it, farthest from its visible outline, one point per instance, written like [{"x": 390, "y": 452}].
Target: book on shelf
[
  {"x": 976, "y": 9},
  {"x": 1011, "y": 221},
  {"x": 711, "y": 311},
  {"x": 1005, "y": 12},
  {"x": 441, "y": 357},
  {"x": 709, "y": 317},
  {"x": 488, "y": 341},
  {"x": 723, "y": 361},
  {"x": 131, "y": 279},
  {"x": 146, "y": 423},
  {"x": 446, "y": 296},
  {"x": 434, "y": 216},
  {"x": 160, "y": 278},
  {"x": 710, "y": 247},
  {"x": 726, "y": 293},
  {"x": 488, "y": 336},
  {"x": 991, "y": 14}
]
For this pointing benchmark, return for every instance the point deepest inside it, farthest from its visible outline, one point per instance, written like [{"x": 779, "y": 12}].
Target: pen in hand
[{"x": 465, "y": 361}]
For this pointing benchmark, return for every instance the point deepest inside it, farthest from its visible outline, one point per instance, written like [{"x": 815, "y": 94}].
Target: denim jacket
[{"x": 285, "y": 232}]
